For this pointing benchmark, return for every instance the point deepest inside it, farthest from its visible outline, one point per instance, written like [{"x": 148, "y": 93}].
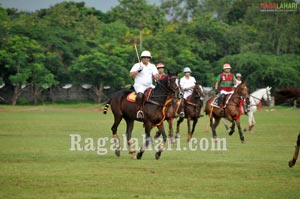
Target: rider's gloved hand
[
  {"x": 216, "y": 91},
  {"x": 140, "y": 68}
]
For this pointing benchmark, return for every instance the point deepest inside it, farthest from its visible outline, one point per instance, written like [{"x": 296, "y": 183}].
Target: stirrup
[{"x": 140, "y": 114}]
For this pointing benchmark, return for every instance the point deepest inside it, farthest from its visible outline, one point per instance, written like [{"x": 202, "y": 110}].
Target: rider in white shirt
[
  {"x": 143, "y": 73},
  {"x": 187, "y": 83},
  {"x": 238, "y": 79}
]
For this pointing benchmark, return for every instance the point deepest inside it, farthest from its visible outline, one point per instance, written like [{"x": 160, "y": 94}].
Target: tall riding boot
[
  {"x": 222, "y": 100},
  {"x": 139, "y": 100},
  {"x": 222, "y": 103}
]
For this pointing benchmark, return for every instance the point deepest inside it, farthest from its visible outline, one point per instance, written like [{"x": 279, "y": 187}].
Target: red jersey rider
[{"x": 225, "y": 83}]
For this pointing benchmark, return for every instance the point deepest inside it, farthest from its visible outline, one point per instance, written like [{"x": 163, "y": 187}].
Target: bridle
[
  {"x": 259, "y": 99},
  {"x": 197, "y": 93},
  {"x": 241, "y": 96},
  {"x": 165, "y": 88}
]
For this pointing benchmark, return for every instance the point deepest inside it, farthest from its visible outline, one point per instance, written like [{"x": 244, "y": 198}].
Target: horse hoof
[
  {"x": 291, "y": 163},
  {"x": 243, "y": 141},
  {"x": 139, "y": 155},
  {"x": 157, "y": 155},
  {"x": 189, "y": 137},
  {"x": 230, "y": 133},
  {"x": 215, "y": 139},
  {"x": 118, "y": 152}
]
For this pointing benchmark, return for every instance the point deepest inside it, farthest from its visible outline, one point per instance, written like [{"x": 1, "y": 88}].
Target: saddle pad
[
  {"x": 213, "y": 103},
  {"x": 131, "y": 97}
]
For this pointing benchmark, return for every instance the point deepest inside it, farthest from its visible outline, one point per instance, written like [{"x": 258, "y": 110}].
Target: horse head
[
  {"x": 169, "y": 82},
  {"x": 242, "y": 91},
  {"x": 198, "y": 91},
  {"x": 267, "y": 96}
]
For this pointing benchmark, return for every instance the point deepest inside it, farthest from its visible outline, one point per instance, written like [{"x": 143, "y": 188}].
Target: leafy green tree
[
  {"x": 138, "y": 14},
  {"x": 24, "y": 59},
  {"x": 181, "y": 10},
  {"x": 276, "y": 32},
  {"x": 99, "y": 70}
]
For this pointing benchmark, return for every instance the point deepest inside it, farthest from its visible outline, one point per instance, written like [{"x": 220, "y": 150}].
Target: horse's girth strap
[{"x": 178, "y": 103}]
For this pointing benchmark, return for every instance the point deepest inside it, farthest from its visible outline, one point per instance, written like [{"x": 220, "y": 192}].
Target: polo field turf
[{"x": 36, "y": 160}]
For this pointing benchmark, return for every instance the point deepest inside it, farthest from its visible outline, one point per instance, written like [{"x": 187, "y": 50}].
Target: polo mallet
[
  {"x": 296, "y": 153},
  {"x": 137, "y": 54}
]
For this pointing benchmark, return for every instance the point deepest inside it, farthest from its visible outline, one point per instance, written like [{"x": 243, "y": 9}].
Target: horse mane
[{"x": 239, "y": 86}]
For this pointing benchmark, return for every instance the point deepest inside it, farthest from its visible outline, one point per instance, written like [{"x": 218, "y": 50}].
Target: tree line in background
[{"x": 72, "y": 43}]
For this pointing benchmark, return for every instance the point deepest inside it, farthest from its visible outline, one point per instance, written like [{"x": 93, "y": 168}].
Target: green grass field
[{"x": 36, "y": 161}]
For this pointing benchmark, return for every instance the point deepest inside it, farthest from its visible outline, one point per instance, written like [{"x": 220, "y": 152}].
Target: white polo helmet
[
  {"x": 187, "y": 70},
  {"x": 238, "y": 75},
  {"x": 226, "y": 66},
  {"x": 146, "y": 53}
]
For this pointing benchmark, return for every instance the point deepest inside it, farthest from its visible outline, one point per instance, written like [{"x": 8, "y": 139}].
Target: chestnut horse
[
  {"x": 192, "y": 110},
  {"x": 153, "y": 113},
  {"x": 232, "y": 110}
]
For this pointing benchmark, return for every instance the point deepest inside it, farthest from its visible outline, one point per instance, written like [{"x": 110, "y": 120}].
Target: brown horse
[
  {"x": 153, "y": 113},
  {"x": 192, "y": 110},
  {"x": 232, "y": 110}
]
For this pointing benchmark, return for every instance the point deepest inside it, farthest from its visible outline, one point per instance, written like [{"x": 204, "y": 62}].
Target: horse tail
[{"x": 106, "y": 106}]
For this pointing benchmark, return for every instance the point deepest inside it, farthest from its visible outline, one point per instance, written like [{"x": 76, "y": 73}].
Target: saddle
[
  {"x": 131, "y": 97},
  {"x": 216, "y": 102}
]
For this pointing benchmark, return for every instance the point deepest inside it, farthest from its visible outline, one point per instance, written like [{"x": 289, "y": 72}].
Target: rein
[
  {"x": 164, "y": 88},
  {"x": 196, "y": 95}
]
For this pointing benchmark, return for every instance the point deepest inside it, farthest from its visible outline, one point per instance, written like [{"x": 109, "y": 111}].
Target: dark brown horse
[
  {"x": 192, "y": 110},
  {"x": 153, "y": 113},
  {"x": 232, "y": 110}
]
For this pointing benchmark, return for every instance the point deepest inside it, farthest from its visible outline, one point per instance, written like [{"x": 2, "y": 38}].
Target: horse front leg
[
  {"x": 238, "y": 123},
  {"x": 189, "y": 134},
  {"x": 292, "y": 162},
  {"x": 129, "y": 128},
  {"x": 148, "y": 128},
  {"x": 195, "y": 121},
  {"x": 213, "y": 125},
  {"x": 171, "y": 133},
  {"x": 251, "y": 121},
  {"x": 163, "y": 144},
  {"x": 178, "y": 127},
  {"x": 232, "y": 128},
  {"x": 194, "y": 126}
]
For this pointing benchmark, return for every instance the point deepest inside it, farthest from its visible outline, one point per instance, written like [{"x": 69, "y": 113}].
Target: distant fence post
[{"x": 272, "y": 101}]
